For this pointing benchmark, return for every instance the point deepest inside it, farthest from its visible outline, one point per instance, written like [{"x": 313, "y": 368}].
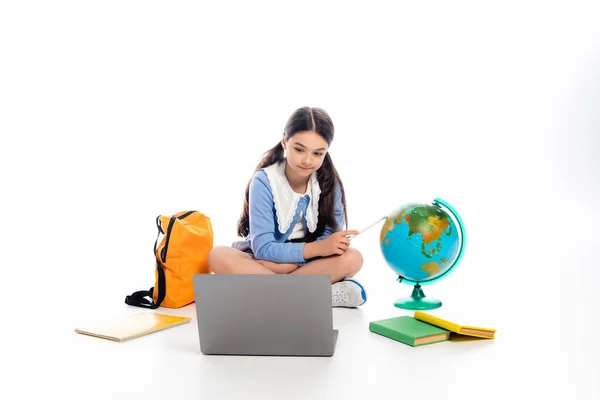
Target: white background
[{"x": 114, "y": 112}]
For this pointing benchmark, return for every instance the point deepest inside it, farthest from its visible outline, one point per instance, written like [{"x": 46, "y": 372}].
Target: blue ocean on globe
[{"x": 420, "y": 242}]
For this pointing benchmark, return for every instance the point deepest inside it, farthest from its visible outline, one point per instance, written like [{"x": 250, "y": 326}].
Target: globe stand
[{"x": 417, "y": 301}]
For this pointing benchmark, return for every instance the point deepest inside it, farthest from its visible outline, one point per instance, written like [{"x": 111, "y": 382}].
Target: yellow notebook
[
  {"x": 474, "y": 331},
  {"x": 134, "y": 326}
]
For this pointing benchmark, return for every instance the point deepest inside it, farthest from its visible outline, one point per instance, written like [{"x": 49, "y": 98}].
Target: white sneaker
[{"x": 348, "y": 293}]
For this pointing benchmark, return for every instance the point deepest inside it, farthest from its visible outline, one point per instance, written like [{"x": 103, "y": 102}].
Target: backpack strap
[{"x": 138, "y": 299}]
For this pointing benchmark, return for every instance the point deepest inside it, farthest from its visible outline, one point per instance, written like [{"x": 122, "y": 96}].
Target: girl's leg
[
  {"x": 227, "y": 260},
  {"x": 338, "y": 267},
  {"x": 278, "y": 268}
]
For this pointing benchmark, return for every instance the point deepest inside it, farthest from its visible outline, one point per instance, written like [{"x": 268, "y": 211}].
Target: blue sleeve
[
  {"x": 338, "y": 215},
  {"x": 263, "y": 225}
]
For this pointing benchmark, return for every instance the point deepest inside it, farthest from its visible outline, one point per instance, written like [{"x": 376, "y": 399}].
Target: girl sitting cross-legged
[{"x": 294, "y": 214}]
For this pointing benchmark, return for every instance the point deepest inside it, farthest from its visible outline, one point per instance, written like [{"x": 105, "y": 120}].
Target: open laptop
[{"x": 267, "y": 315}]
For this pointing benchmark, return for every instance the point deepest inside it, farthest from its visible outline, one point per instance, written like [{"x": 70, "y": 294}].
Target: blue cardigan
[{"x": 265, "y": 240}]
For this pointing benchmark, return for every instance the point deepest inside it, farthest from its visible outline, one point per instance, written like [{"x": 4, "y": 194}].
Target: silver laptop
[{"x": 267, "y": 315}]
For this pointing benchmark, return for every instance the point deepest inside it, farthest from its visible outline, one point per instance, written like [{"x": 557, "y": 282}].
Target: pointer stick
[{"x": 369, "y": 226}]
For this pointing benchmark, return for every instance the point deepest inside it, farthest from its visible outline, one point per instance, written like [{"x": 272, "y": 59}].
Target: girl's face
[{"x": 305, "y": 152}]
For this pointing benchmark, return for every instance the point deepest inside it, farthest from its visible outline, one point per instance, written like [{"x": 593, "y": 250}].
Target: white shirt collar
[{"x": 286, "y": 200}]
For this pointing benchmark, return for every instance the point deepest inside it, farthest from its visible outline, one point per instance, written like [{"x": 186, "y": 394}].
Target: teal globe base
[{"x": 417, "y": 301}]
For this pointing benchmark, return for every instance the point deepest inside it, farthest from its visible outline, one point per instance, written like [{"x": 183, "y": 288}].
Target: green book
[{"x": 408, "y": 330}]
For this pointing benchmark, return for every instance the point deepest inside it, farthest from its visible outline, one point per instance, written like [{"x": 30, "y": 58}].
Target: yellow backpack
[{"x": 182, "y": 253}]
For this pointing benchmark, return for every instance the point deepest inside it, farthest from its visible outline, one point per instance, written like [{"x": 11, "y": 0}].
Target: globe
[{"x": 422, "y": 243}]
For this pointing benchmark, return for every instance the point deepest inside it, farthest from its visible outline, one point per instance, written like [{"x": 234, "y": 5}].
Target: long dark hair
[{"x": 302, "y": 120}]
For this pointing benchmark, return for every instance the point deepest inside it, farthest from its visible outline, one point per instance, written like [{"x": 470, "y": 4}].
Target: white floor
[
  {"x": 537, "y": 292},
  {"x": 115, "y": 112}
]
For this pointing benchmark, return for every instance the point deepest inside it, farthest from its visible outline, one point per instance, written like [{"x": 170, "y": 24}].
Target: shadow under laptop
[{"x": 282, "y": 373}]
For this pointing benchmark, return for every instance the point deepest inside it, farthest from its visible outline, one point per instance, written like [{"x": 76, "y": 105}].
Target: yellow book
[
  {"x": 134, "y": 326},
  {"x": 487, "y": 333}
]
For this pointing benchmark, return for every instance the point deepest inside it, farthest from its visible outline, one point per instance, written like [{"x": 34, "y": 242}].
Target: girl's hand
[{"x": 336, "y": 243}]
